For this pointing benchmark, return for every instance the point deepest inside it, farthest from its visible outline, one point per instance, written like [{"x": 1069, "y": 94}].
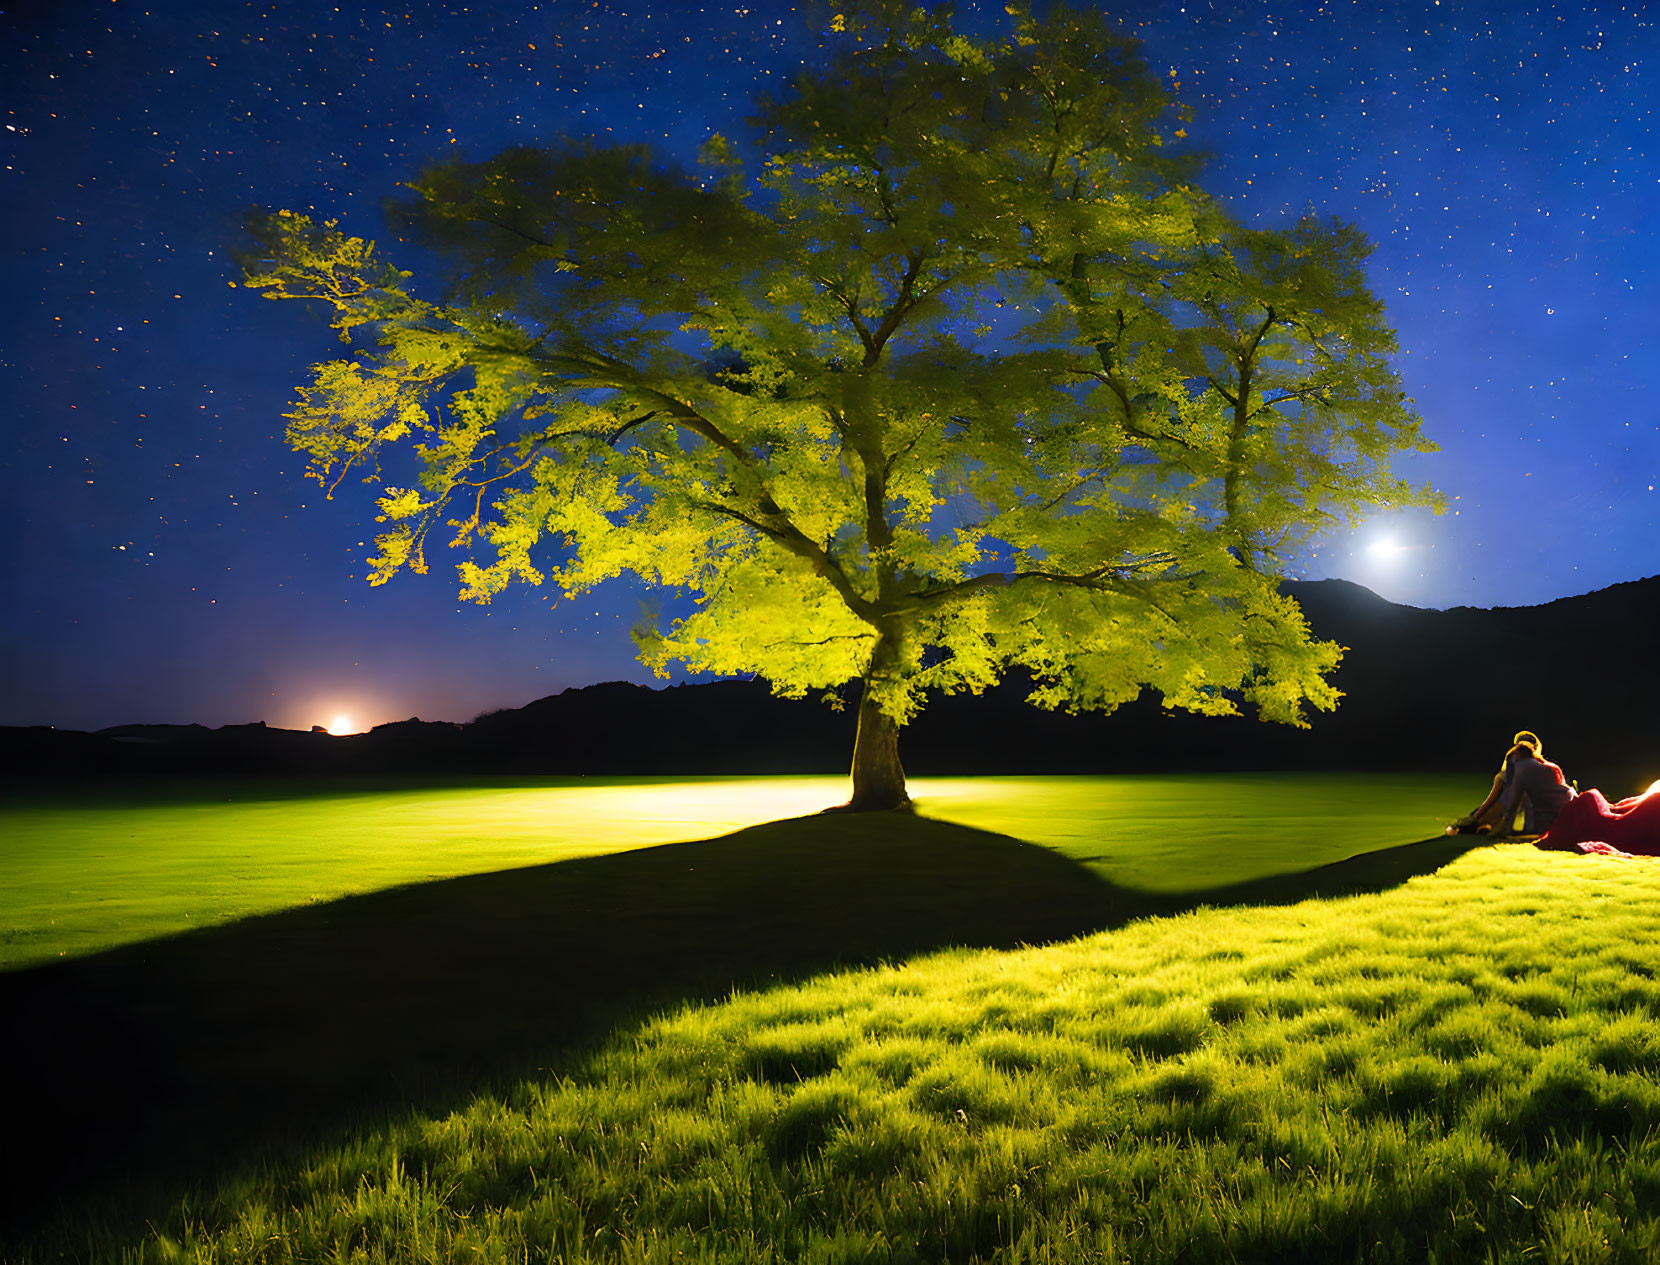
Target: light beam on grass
[
  {"x": 83, "y": 875},
  {"x": 189, "y": 863}
]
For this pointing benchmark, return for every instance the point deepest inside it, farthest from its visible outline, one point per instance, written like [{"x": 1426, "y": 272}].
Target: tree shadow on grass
[
  {"x": 1369, "y": 872},
  {"x": 133, "y": 1072}
]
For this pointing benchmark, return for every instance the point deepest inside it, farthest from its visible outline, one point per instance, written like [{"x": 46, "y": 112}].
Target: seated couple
[{"x": 1532, "y": 786}]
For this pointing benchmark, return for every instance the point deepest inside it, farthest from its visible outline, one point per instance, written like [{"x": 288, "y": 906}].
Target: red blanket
[{"x": 1589, "y": 823}]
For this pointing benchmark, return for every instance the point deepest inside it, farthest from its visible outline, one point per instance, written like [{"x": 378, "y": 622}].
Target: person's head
[{"x": 1527, "y": 743}]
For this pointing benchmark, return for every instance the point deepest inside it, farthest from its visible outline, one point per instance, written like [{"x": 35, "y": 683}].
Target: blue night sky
[{"x": 168, "y": 564}]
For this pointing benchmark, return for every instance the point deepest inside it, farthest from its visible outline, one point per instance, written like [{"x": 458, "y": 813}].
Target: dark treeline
[{"x": 1424, "y": 690}]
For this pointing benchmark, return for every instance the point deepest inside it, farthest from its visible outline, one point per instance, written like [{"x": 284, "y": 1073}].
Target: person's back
[{"x": 1536, "y": 785}]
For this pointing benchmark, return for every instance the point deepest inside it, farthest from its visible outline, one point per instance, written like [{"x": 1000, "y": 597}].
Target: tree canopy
[{"x": 948, "y": 367}]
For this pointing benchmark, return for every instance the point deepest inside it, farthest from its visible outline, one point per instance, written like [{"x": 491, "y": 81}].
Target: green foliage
[{"x": 952, "y": 368}]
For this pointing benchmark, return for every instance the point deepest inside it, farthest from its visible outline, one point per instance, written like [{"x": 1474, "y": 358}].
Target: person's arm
[{"x": 1492, "y": 798}]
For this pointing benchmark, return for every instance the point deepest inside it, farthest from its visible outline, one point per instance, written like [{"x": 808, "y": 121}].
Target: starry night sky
[{"x": 167, "y": 563}]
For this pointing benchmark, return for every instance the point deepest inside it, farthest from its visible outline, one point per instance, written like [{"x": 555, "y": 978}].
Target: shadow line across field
[{"x": 170, "y": 1058}]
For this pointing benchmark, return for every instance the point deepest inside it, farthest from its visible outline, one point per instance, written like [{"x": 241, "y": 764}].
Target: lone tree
[{"x": 951, "y": 369}]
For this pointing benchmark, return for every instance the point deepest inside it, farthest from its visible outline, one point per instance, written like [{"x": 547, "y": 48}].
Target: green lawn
[
  {"x": 128, "y": 865},
  {"x": 1175, "y": 834},
  {"x": 85, "y": 874},
  {"x": 1187, "y": 1019}
]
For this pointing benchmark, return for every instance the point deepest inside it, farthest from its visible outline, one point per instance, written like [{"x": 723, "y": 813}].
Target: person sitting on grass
[
  {"x": 1527, "y": 782},
  {"x": 1536, "y": 786}
]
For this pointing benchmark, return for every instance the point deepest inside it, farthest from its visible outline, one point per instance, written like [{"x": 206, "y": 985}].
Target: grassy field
[
  {"x": 1265, "y": 1019},
  {"x": 134, "y": 862},
  {"x": 128, "y": 865}
]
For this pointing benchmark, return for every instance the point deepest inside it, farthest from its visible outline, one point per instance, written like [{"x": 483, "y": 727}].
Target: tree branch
[
  {"x": 628, "y": 426},
  {"x": 901, "y": 306},
  {"x": 1110, "y": 577},
  {"x": 791, "y": 539},
  {"x": 1233, "y": 401},
  {"x": 822, "y": 641},
  {"x": 520, "y": 233},
  {"x": 1301, "y": 396},
  {"x": 1250, "y": 353}
]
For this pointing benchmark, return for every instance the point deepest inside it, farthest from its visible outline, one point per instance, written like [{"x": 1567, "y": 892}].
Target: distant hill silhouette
[{"x": 1423, "y": 689}]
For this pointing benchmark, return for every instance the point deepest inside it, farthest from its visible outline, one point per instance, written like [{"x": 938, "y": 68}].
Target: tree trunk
[{"x": 878, "y": 777}]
